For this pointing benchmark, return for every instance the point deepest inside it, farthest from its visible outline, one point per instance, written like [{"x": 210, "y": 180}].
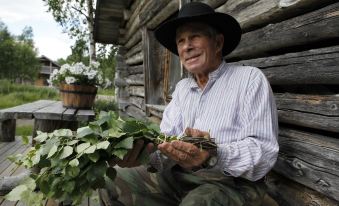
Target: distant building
[{"x": 47, "y": 67}]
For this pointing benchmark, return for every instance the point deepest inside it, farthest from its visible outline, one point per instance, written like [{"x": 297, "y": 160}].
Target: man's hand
[
  {"x": 131, "y": 158},
  {"x": 185, "y": 154}
]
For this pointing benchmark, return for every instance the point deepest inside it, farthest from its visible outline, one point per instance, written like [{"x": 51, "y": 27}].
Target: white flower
[
  {"x": 91, "y": 74},
  {"x": 77, "y": 68},
  {"x": 70, "y": 80},
  {"x": 95, "y": 64},
  {"x": 64, "y": 68}
]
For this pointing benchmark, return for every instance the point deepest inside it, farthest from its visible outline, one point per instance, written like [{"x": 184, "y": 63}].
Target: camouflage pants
[{"x": 135, "y": 186}]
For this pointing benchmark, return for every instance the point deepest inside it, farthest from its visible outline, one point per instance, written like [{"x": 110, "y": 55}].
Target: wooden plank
[
  {"x": 135, "y": 112},
  {"x": 310, "y": 159},
  {"x": 69, "y": 115},
  {"x": 311, "y": 28},
  {"x": 313, "y": 111},
  {"x": 287, "y": 192},
  {"x": 5, "y": 163},
  {"x": 253, "y": 14},
  {"x": 7, "y": 130},
  {"x": 132, "y": 41},
  {"x": 136, "y": 79},
  {"x": 135, "y": 59},
  {"x": 138, "y": 69},
  {"x": 167, "y": 11},
  {"x": 25, "y": 110},
  {"x": 134, "y": 50},
  {"x": 316, "y": 66},
  {"x": 137, "y": 101},
  {"x": 50, "y": 112},
  {"x": 153, "y": 9},
  {"x": 137, "y": 91}
]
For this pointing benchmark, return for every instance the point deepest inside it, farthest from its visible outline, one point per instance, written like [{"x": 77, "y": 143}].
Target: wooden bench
[{"x": 48, "y": 115}]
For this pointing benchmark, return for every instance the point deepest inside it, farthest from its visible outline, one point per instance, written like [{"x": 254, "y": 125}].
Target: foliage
[
  {"x": 18, "y": 55},
  {"x": 15, "y": 94},
  {"x": 78, "y": 74},
  {"x": 105, "y": 105},
  {"x": 25, "y": 130},
  {"x": 74, "y": 164}
]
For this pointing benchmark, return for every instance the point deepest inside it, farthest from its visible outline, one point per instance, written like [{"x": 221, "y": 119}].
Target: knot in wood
[
  {"x": 296, "y": 164},
  {"x": 323, "y": 183},
  {"x": 334, "y": 107}
]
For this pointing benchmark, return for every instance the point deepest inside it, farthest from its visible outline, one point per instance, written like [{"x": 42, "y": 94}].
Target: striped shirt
[{"x": 237, "y": 108}]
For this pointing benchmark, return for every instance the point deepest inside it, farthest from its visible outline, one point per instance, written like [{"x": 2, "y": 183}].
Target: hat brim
[{"x": 226, "y": 24}]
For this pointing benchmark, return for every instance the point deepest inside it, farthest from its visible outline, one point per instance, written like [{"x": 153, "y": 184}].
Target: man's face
[{"x": 198, "y": 52}]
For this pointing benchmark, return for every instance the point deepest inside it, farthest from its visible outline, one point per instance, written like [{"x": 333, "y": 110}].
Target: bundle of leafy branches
[{"x": 73, "y": 164}]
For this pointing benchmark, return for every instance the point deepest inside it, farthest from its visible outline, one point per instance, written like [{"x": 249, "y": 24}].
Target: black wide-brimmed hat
[{"x": 200, "y": 12}]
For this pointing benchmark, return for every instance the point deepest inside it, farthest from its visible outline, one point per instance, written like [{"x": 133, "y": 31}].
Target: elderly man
[{"x": 232, "y": 104}]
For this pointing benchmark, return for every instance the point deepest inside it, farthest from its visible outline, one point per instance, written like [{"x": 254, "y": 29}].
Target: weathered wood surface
[
  {"x": 287, "y": 192},
  {"x": 135, "y": 112},
  {"x": 152, "y": 9},
  {"x": 253, "y": 14},
  {"x": 137, "y": 101},
  {"x": 7, "y": 130},
  {"x": 128, "y": 43},
  {"x": 85, "y": 115},
  {"x": 136, "y": 79},
  {"x": 137, "y": 91},
  {"x": 167, "y": 11},
  {"x": 310, "y": 159},
  {"x": 310, "y": 28},
  {"x": 214, "y": 3},
  {"x": 24, "y": 111},
  {"x": 316, "y": 66},
  {"x": 314, "y": 111},
  {"x": 138, "y": 69},
  {"x": 134, "y": 50},
  {"x": 153, "y": 53},
  {"x": 135, "y": 59},
  {"x": 54, "y": 111}
]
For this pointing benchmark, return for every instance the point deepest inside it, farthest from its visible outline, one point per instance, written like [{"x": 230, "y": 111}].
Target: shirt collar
[{"x": 212, "y": 76}]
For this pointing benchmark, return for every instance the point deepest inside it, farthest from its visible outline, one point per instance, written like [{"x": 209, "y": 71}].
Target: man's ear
[{"x": 220, "y": 42}]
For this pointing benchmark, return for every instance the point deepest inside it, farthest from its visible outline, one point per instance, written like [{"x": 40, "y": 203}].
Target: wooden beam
[
  {"x": 137, "y": 101},
  {"x": 135, "y": 112},
  {"x": 136, "y": 79},
  {"x": 137, "y": 91},
  {"x": 313, "y": 111},
  {"x": 154, "y": 8},
  {"x": 317, "y": 66},
  {"x": 134, "y": 50},
  {"x": 138, "y": 69},
  {"x": 314, "y": 27},
  {"x": 253, "y": 14},
  {"x": 170, "y": 9},
  {"x": 132, "y": 41},
  {"x": 287, "y": 192},
  {"x": 310, "y": 159},
  {"x": 135, "y": 59}
]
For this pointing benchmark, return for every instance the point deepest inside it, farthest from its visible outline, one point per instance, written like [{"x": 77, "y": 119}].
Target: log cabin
[
  {"x": 296, "y": 45},
  {"x": 47, "y": 67}
]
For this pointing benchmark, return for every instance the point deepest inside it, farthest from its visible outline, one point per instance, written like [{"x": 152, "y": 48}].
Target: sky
[{"x": 48, "y": 36}]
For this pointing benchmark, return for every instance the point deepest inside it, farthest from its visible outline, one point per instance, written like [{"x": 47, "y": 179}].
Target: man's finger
[
  {"x": 185, "y": 147},
  {"x": 134, "y": 153}
]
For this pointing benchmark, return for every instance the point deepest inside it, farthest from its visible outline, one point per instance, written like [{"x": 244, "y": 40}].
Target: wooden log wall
[{"x": 296, "y": 45}]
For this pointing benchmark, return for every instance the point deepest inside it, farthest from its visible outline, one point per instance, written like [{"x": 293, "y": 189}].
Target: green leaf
[
  {"x": 69, "y": 186},
  {"x": 90, "y": 149},
  {"x": 73, "y": 142},
  {"x": 127, "y": 143},
  {"x": 25, "y": 139},
  {"x": 41, "y": 137},
  {"x": 111, "y": 173},
  {"x": 63, "y": 133},
  {"x": 132, "y": 126},
  {"x": 53, "y": 150},
  {"x": 74, "y": 163},
  {"x": 67, "y": 151},
  {"x": 120, "y": 153},
  {"x": 94, "y": 157},
  {"x": 103, "y": 145},
  {"x": 113, "y": 132},
  {"x": 16, "y": 193},
  {"x": 72, "y": 171},
  {"x": 81, "y": 147},
  {"x": 84, "y": 131}
]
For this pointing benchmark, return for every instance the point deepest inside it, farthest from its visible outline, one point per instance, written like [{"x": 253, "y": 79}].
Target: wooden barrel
[{"x": 77, "y": 96}]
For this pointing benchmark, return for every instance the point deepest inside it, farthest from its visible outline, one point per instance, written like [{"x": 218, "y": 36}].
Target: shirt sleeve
[
  {"x": 171, "y": 124},
  {"x": 256, "y": 149}
]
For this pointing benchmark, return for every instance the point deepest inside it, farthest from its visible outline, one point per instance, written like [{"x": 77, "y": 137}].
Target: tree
[
  {"x": 17, "y": 58},
  {"x": 77, "y": 18}
]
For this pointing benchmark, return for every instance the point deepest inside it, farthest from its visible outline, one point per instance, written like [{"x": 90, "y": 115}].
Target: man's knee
[{"x": 211, "y": 195}]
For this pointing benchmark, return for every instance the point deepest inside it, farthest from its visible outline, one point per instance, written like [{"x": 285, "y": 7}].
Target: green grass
[
  {"x": 25, "y": 130},
  {"x": 15, "y": 94},
  {"x": 108, "y": 92}
]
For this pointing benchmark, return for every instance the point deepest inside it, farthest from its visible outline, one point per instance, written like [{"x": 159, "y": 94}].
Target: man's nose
[{"x": 187, "y": 45}]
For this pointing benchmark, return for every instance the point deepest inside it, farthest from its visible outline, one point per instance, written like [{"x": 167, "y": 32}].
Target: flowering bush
[{"x": 78, "y": 74}]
